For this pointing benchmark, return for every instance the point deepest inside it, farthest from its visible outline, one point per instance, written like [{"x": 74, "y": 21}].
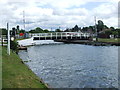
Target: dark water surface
[{"x": 74, "y": 65}]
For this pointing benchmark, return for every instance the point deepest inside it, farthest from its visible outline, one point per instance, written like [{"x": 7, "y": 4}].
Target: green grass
[
  {"x": 21, "y": 39},
  {"x": 108, "y": 40},
  {"x": 15, "y": 74}
]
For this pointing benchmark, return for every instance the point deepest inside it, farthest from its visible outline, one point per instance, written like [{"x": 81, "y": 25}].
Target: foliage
[
  {"x": 100, "y": 25},
  {"x": 46, "y": 31},
  {"x": 112, "y": 28},
  {"x": 36, "y": 30},
  {"x": 57, "y": 30},
  {"x": 105, "y": 27},
  {"x": 3, "y": 31},
  {"x": 108, "y": 32},
  {"x": 17, "y": 29},
  {"x": 21, "y": 31},
  {"x": 14, "y": 46},
  {"x": 76, "y": 28},
  {"x": 84, "y": 29},
  {"x": 13, "y": 31}
]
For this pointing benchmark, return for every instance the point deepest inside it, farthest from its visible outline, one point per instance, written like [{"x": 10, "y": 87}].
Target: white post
[
  {"x": 8, "y": 39},
  {"x": 71, "y": 35},
  {"x": 80, "y": 35}
]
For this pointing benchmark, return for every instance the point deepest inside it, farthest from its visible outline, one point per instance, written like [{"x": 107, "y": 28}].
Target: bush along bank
[{"x": 15, "y": 74}]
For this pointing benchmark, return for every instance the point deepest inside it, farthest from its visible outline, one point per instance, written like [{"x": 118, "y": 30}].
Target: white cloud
[{"x": 55, "y": 13}]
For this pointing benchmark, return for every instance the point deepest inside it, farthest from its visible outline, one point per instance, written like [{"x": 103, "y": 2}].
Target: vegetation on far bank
[
  {"x": 109, "y": 40},
  {"x": 15, "y": 74}
]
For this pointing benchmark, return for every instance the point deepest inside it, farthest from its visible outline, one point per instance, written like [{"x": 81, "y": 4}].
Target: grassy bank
[
  {"x": 15, "y": 74},
  {"x": 108, "y": 40}
]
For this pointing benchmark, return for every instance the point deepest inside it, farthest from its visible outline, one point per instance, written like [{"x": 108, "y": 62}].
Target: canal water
[{"x": 74, "y": 65}]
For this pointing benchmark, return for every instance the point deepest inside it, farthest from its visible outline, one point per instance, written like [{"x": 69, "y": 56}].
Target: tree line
[{"x": 100, "y": 28}]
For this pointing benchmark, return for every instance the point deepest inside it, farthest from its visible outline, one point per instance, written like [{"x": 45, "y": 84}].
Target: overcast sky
[{"x": 53, "y": 14}]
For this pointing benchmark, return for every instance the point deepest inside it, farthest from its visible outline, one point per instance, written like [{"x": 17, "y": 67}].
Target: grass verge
[
  {"x": 15, "y": 74},
  {"x": 109, "y": 40}
]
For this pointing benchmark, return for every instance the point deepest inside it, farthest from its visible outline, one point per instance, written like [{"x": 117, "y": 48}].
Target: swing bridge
[{"x": 60, "y": 35}]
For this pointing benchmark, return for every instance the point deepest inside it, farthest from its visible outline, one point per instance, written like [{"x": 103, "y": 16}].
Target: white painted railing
[{"x": 60, "y": 34}]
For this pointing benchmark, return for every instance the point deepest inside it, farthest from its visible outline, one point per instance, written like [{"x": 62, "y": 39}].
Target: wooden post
[{"x": 8, "y": 38}]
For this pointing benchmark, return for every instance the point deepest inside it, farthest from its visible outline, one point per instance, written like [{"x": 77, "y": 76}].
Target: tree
[
  {"x": 21, "y": 31},
  {"x": 76, "y": 28},
  {"x": 112, "y": 28},
  {"x": 115, "y": 33},
  {"x": 39, "y": 29},
  {"x": 46, "y": 31},
  {"x": 17, "y": 29},
  {"x": 57, "y": 30},
  {"x": 108, "y": 32},
  {"x": 84, "y": 29},
  {"x": 100, "y": 25},
  {"x": 92, "y": 28},
  {"x": 3, "y": 31},
  {"x": 36, "y": 30},
  {"x": 67, "y": 30},
  {"x": 106, "y": 27}
]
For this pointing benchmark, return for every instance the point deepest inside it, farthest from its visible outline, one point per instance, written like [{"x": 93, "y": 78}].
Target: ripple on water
[{"x": 74, "y": 65}]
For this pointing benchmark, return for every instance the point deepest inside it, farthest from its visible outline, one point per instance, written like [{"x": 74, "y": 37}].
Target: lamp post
[{"x": 96, "y": 30}]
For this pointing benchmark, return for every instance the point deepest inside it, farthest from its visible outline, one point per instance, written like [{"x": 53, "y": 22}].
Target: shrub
[{"x": 14, "y": 46}]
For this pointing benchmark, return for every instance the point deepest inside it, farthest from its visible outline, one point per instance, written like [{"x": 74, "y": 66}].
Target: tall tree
[
  {"x": 76, "y": 28},
  {"x": 17, "y": 29},
  {"x": 100, "y": 25}
]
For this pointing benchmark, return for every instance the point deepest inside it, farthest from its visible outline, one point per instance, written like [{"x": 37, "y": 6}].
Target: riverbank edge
[
  {"x": 40, "y": 81},
  {"x": 88, "y": 42}
]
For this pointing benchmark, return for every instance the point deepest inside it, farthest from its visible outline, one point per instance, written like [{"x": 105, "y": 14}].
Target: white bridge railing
[{"x": 61, "y": 35}]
